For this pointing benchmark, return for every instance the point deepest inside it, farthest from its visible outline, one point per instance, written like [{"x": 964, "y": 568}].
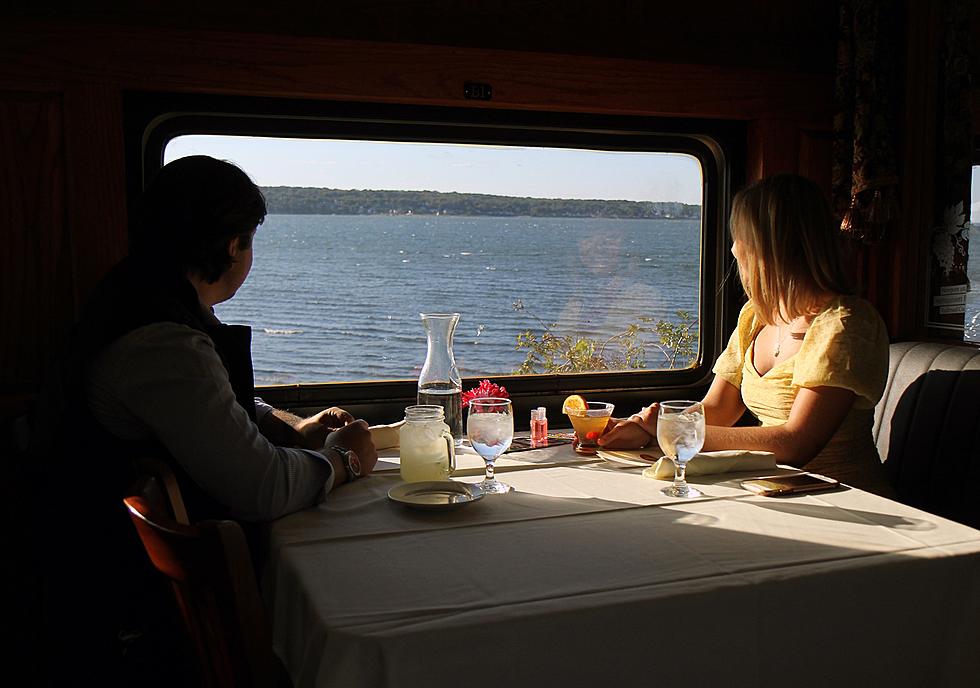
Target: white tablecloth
[{"x": 587, "y": 574}]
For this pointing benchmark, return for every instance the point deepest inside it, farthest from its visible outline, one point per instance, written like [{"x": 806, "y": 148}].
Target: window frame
[{"x": 152, "y": 120}]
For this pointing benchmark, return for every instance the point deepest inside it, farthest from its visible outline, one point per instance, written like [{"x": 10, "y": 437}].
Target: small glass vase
[{"x": 439, "y": 382}]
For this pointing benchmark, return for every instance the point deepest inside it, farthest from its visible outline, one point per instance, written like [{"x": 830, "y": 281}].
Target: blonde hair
[{"x": 791, "y": 254}]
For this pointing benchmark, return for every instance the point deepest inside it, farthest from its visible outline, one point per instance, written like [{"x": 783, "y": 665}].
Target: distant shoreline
[
  {"x": 293, "y": 200},
  {"x": 275, "y": 211}
]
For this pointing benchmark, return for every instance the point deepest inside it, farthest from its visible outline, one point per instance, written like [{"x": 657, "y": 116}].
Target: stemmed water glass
[
  {"x": 490, "y": 427},
  {"x": 680, "y": 434}
]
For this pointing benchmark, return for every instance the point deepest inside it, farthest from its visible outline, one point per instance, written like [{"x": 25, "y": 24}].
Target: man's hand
[
  {"x": 356, "y": 436},
  {"x": 315, "y": 429}
]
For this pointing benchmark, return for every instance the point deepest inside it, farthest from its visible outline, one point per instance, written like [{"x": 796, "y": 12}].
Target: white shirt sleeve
[
  {"x": 262, "y": 410},
  {"x": 166, "y": 381}
]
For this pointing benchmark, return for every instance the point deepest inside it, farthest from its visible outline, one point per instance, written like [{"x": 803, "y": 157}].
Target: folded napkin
[
  {"x": 708, "y": 463},
  {"x": 386, "y": 436}
]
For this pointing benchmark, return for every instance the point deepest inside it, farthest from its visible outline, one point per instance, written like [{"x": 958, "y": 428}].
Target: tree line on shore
[{"x": 294, "y": 200}]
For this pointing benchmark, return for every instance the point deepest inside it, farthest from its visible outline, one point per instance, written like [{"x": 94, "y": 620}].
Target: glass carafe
[
  {"x": 426, "y": 447},
  {"x": 439, "y": 382}
]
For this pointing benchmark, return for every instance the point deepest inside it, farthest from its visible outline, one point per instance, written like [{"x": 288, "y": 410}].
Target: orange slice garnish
[{"x": 574, "y": 403}]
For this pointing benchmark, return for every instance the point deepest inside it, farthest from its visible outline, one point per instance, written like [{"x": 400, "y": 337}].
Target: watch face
[{"x": 354, "y": 463}]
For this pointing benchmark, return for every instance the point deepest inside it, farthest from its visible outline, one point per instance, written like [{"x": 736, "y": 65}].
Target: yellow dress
[{"x": 845, "y": 346}]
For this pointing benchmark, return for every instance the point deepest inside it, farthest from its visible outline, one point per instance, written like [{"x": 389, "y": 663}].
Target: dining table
[{"x": 587, "y": 574}]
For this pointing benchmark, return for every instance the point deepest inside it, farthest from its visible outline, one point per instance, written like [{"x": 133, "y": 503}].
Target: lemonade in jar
[{"x": 426, "y": 445}]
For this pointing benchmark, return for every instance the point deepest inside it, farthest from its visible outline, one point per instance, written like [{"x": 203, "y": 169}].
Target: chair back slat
[
  {"x": 210, "y": 569},
  {"x": 150, "y": 466}
]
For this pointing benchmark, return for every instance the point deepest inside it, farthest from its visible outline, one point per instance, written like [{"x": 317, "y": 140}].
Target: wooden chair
[
  {"x": 159, "y": 485},
  {"x": 210, "y": 570}
]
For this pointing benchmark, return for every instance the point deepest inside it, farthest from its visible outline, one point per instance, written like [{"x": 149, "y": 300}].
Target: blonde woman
[{"x": 807, "y": 359}]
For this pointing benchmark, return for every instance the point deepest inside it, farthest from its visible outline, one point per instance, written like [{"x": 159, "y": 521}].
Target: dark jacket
[
  {"x": 133, "y": 296},
  {"x": 106, "y": 609}
]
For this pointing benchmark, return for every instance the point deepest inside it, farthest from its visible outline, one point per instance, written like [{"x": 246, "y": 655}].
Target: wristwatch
[{"x": 350, "y": 461}]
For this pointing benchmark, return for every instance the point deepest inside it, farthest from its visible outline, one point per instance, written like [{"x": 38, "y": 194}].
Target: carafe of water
[
  {"x": 427, "y": 448},
  {"x": 439, "y": 382}
]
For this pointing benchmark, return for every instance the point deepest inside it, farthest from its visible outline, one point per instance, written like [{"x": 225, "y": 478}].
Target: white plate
[
  {"x": 633, "y": 457},
  {"x": 435, "y": 494}
]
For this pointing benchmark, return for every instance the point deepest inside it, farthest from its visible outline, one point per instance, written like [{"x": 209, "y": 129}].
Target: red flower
[{"x": 484, "y": 389}]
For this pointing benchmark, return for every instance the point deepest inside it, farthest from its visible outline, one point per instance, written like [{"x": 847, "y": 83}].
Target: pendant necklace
[
  {"x": 780, "y": 337},
  {"x": 779, "y": 342}
]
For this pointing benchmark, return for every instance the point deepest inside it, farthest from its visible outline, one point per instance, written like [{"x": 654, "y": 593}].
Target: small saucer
[{"x": 435, "y": 494}]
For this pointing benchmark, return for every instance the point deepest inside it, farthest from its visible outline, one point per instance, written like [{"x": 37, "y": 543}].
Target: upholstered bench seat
[{"x": 927, "y": 428}]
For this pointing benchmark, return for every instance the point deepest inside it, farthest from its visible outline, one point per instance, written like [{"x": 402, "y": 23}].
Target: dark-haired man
[
  {"x": 152, "y": 371},
  {"x": 160, "y": 370}
]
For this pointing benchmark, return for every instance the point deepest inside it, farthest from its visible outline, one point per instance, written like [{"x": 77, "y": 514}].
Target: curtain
[
  {"x": 881, "y": 103},
  {"x": 868, "y": 117}
]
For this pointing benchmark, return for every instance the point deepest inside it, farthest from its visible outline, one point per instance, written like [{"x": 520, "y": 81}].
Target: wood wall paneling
[
  {"x": 904, "y": 256},
  {"x": 773, "y": 147},
  {"x": 299, "y": 67},
  {"x": 816, "y": 154},
  {"x": 792, "y": 35},
  {"x": 36, "y": 294},
  {"x": 96, "y": 182}
]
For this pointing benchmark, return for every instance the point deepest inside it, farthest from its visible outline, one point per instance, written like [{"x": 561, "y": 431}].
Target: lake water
[{"x": 334, "y": 298}]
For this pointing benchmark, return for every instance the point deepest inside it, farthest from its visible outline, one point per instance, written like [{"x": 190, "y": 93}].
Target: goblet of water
[
  {"x": 680, "y": 434},
  {"x": 490, "y": 427}
]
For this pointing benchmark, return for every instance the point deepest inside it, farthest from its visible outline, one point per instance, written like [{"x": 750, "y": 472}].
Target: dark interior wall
[{"x": 797, "y": 35}]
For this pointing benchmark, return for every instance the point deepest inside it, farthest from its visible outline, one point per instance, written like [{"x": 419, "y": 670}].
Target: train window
[
  {"x": 971, "y": 322},
  {"x": 558, "y": 259},
  {"x": 583, "y": 252}
]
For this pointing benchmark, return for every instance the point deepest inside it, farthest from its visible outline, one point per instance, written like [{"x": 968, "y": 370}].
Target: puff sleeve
[
  {"x": 846, "y": 346},
  {"x": 729, "y": 365}
]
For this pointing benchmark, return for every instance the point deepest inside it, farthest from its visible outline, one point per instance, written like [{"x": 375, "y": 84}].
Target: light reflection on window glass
[{"x": 971, "y": 331}]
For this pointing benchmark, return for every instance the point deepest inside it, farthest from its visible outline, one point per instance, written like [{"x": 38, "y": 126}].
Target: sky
[{"x": 497, "y": 170}]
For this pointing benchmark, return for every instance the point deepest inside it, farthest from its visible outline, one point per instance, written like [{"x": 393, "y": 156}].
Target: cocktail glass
[{"x": 589, "y": 424}]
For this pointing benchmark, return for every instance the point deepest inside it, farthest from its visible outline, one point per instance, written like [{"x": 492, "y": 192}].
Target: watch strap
[{"x": 350, "y": 460}]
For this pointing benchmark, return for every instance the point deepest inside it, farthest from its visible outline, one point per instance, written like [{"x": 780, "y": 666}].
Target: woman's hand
[
  {"x": 636, "y": 432},
  {"x": 624, "y": 435}
]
